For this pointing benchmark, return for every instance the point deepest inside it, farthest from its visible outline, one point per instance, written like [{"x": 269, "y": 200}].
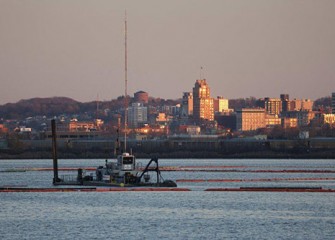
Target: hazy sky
[{"x": 75, "y": 48}]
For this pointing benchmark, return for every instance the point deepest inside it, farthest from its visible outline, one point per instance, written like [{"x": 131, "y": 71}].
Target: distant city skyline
[{"x": 75, "y": 49}]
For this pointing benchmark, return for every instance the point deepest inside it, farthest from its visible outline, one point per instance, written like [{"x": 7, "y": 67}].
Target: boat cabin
[{"x": 126, "y": 162}]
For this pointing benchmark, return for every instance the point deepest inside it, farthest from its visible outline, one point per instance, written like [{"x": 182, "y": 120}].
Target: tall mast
[{"x": 125, "y": 83}]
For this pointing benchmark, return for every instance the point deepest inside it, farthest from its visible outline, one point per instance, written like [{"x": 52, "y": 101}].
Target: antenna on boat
[
  {"x": 125, "y": 82},
  {"x": 117, "y": 143}
]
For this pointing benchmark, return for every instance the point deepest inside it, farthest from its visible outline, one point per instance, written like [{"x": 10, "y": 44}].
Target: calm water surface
[{"x": 170, "y": 215}]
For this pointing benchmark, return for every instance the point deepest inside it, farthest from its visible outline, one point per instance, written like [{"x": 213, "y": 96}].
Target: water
[{"x": 171, "y": 215}]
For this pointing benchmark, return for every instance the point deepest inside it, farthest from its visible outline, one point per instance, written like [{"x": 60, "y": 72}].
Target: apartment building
[
  {"x": 248, "y": 119},
  {"x": 137, "y": 115}
]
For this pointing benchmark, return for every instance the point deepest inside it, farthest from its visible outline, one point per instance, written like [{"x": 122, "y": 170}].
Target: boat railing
[
  {"x": 74, "y": 177},
  {"x": 139, "y": 166},
  {"x": 69, "y": 178}
]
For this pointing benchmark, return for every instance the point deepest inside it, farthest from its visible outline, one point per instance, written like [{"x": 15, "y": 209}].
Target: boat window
[{"x": 128, "y": 160}]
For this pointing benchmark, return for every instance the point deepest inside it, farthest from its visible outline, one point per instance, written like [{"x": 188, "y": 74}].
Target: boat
[{"x": 124, "y": 172}]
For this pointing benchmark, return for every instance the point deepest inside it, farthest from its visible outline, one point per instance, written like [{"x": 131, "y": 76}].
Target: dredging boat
[{"x": 124, "y": 172}]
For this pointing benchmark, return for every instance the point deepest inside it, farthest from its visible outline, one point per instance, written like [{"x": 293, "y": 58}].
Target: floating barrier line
[
  {"x": 117, "y": 189},
  {"x": 256, "y": 180},
  {"x": 183, "y": 167},
  {"x": 47, "y": 169},
  {"x": 139, "y": 189},
  {"x": 265, "y": 167},
  {"x": 271, "y": 189},
  {"x": 259, "y": 171},
  {"x": 242, "y": 189},
  {"x": 190, "y": 169}
]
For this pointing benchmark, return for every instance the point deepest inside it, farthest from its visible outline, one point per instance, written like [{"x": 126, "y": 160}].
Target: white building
[
  {"x": 221, "y": 104},
  {"x": 137, "y": 115}
]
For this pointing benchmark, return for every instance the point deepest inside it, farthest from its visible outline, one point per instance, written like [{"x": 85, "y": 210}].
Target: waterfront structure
[
  {"x": 187, "y": 105},
  {"x": 333, "y": 103},
  {"x": 203, "y": 108},
  {"x": 220, "y": 104},
  {"x": 137, "y": 115},
  {"x": 141, "y": 97},
  {"x": 248, "y": 119}
]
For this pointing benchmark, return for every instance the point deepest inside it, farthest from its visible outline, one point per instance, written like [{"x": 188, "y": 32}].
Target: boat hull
[{"x": 167, "y": 183}]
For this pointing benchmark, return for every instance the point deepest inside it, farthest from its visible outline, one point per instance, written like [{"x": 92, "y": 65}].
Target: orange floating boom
[
  {"x": 116, "y": 189},
  {"x": 255, "y": 180},
  {"x": 271, "y": 189}
]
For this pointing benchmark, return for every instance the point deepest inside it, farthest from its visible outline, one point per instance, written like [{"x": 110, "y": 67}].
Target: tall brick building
[{"x": 203, "y": 107}]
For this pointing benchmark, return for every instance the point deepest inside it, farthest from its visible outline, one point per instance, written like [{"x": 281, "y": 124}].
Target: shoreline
[{"x": 325, "y": 154}]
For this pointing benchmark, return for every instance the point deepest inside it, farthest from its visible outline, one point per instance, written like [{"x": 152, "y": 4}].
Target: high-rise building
[
  {"x": 273, "y": 105},
  {"x": 203, "y": 108},
  {"x": 333, "y": 102},
  {"x": 137, "y": 115},
  {"x": 187, "y": 104}
]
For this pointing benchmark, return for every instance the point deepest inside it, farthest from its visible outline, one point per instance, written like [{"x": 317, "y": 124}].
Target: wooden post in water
[{"x": 54, "y": 151}]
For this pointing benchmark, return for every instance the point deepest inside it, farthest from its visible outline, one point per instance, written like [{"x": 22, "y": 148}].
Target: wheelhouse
[{"x": 126, "y": 162}]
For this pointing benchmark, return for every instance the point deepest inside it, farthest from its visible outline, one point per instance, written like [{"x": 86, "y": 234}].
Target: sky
[{"x": 75, "y": 48}]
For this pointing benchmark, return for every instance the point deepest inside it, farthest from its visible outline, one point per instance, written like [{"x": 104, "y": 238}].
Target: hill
[
  {"x": 39, "y": 106},
  {"x": 56, "y": 106}
]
